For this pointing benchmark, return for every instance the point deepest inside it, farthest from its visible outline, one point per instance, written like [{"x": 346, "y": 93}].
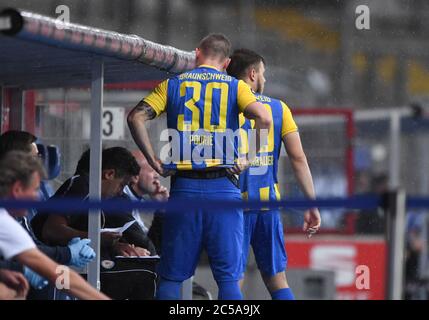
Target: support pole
[
  {"x": 395, "y": 239},
  {"x": 2, "y": 99},
  {"x": 16, "y": 109},
  {"x": 94, "y": 223},
  {"x": 395, "y": 150}
]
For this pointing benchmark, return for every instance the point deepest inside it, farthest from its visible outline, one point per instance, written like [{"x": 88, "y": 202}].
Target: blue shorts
[
  {"x": 186, "y": 233},
  {"x": 264, "y": 231}
]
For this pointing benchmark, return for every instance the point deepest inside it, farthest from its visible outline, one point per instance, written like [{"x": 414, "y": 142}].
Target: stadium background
[{"x": 344, "y": 85}]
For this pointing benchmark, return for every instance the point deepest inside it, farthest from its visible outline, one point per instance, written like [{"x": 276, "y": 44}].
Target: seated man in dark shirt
[
  {"x": 118, "y": 166},
  {"x": 142, "y": 187},
  {"x": 121, "y": 278}
]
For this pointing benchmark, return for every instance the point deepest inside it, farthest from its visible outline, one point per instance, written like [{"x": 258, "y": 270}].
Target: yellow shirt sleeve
[
  {"x": 244, "y": 95},
  {"x": 157, "y": 99},
  {"x": 288, "y": 124},
  {"x": 241, "y": 120}
]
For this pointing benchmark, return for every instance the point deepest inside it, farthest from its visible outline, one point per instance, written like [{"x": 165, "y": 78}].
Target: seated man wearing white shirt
[
  {"x": 19, "y": 180},
  {"x": 143, "y": 187}
]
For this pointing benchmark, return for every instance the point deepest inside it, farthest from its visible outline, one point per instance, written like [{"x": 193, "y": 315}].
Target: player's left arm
[
  {"x": 252, "y": 110},
  {"x": 301, "y": 169}
]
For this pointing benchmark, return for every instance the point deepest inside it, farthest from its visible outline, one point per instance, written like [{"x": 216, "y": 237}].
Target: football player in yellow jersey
[
  {"x": 201, "y": 105},
  {"x": 263, "y": 229}
]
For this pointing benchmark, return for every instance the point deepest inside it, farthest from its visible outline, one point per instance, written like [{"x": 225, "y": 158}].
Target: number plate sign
[{"x": 113, "y": 123}]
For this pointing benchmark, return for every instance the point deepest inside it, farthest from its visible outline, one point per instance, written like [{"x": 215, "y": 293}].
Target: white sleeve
[{"x": 13, "y": 238}]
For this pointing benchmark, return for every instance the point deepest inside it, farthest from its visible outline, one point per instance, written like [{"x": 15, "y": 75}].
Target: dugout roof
[{"x": 40, "y": 52}]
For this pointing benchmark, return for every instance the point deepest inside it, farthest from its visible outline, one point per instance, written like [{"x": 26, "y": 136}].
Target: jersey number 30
[{"x": 191, "y": 105}]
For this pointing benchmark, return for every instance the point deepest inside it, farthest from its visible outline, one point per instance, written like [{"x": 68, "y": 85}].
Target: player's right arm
[
  {"x": 253, "y": 110},
  {"x": 57, "y": 231},
  {"x": 257, "y": 112},
  {"x": 147, "y": 109}
]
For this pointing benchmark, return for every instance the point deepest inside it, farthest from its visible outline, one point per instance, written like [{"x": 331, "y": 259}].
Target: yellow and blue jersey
[
  {"x": 203, "y": 107},
  {"x": 263, "y": 184}
]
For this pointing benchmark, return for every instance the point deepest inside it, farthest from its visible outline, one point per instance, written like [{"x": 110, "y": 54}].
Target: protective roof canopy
[
  {"x": 41, "y": 52},
  {"x": 32, "y": 65}
]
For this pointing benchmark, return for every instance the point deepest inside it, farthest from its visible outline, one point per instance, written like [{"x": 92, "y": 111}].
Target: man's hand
[
  {"x": 7, "y": 293},
  {"x": 129, "y": 250},
  {"x": 80, "y": 251},
  {"x": 15, "y": 281},
  {"x": 141, "y": 252},
  {"x": 161, "y": 193},
  {"x": 36, "y": 280},
  {"x": 110, "y": 238},
  {"x": 241, "y": 165},
  {"x": 312, "y": 221},
  {"x": 156, "y": 164}
]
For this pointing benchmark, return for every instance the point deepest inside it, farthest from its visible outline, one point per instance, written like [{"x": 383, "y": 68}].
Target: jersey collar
[{"x": 208, "y": 66}]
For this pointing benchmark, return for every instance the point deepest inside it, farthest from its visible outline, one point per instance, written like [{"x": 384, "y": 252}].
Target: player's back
[
  {"x": 202, "y": 107},
  {"x": 260, "y": 181}
]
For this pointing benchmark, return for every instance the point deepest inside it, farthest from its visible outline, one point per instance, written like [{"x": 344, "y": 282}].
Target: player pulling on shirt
[{"x": 201, "y": 105}]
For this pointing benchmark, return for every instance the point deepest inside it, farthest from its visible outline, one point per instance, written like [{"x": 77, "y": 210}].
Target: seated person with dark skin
[
  {"x": 118, "y": 168},
  {"x": 144, "y": 186},
  {"x": 123, "y": 279}
]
